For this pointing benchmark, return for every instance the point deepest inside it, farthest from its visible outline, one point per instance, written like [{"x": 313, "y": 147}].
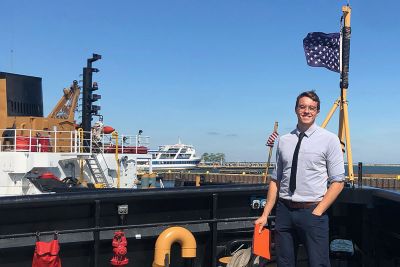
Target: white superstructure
[{"x": 28, "y": 153}]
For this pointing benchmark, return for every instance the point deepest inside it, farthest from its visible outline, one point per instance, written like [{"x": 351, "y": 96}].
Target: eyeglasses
[{"x": 310, "y": 108}]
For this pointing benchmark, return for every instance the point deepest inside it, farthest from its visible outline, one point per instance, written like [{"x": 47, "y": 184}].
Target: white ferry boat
[{"x": 174, "y": 157}]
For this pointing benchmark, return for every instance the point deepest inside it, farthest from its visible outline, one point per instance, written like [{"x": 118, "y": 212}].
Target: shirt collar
[{"x": 309, "y": 131}]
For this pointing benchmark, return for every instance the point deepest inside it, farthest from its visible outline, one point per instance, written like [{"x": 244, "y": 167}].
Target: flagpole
[
  {"x": 344, "y": 128},
  {"x": 270, "y": 155}
]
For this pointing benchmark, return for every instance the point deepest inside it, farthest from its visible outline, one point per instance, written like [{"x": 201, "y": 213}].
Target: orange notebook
[{"x": 261, "y": 242}]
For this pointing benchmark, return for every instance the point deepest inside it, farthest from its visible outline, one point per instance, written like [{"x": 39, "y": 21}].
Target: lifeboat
[
  {"x": 25, "y": 143},
  {"x": 108, "y": 130},
  {"x": 33, "y": 144}
]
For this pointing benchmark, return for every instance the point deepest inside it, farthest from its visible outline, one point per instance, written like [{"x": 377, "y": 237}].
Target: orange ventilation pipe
[{"x": 169, "y": 236}]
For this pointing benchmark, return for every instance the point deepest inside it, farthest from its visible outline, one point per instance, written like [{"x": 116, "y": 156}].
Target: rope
[{"x": 241, "y": 258}]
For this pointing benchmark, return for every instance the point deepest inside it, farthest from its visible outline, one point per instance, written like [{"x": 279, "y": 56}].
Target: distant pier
[
  {"x": 386, "y": 181},
  {"x": 229, "y": 165},
  {"x": 260, "y": 168},
  {"x": 376, "y": 175}
]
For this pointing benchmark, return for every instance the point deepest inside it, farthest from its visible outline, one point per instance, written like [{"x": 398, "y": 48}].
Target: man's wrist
[{"x": 266, "y": 213}]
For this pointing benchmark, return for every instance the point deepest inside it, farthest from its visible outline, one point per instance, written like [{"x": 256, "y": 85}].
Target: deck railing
[
  {"x": 130, "y": 144},
  {"x": 28, "y": 140}
]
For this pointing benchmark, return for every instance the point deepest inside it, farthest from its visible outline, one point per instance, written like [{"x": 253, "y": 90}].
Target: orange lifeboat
[
  {"x": 24, "y": 143},
  {"x": 108, "y": 129}
]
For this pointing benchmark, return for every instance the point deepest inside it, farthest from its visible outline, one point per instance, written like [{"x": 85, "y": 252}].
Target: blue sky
[{"x": 217, "y": 74}]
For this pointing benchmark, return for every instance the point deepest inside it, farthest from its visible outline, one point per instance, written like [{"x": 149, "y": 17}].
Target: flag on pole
[
  {"x": 271, "y": 139},
  {"x": 322, "y": 50}
]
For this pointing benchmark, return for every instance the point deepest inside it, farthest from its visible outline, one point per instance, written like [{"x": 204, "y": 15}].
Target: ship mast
[
  {"x": 88, "y": 98},
  {"x": 344, "y": 126}
]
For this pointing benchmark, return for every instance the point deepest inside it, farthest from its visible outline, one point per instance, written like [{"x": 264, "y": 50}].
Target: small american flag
[
  {"x": 322, "y": 50},
  {"x": 271, "y": 139}
]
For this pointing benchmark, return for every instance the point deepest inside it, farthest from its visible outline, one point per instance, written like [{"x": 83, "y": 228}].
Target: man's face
[{"x": 306, "y": 111}]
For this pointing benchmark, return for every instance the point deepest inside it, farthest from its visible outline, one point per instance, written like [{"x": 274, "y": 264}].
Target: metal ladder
[{"x": 97, "y": 172}]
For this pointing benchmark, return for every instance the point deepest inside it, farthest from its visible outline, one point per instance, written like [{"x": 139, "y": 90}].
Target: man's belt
[{"x": 298, "y": 205}]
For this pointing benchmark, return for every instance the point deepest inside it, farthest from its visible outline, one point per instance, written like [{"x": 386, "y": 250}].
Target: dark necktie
[{"x": 293, "y": 172}]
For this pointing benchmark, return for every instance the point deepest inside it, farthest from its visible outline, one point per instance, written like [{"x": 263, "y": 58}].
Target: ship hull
[{"x": 218, "y": 216}]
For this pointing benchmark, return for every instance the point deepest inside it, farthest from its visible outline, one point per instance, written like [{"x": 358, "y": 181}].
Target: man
[{"x": 306, "y": 160}]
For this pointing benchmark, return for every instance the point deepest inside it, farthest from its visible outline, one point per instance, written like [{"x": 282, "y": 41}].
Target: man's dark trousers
[{"x": 300, "y": 225}]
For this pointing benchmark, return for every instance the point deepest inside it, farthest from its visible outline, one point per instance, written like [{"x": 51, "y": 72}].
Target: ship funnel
[{"x": 169, "y": 236}]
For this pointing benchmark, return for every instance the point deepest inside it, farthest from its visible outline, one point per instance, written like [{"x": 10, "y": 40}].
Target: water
[{"x": 379, "y": 169}]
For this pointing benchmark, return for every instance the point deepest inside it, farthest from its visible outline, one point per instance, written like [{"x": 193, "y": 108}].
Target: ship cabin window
[
  {"x": 183, "y": 156},
  {"x": 173, "y": 150},
  {"x": 183, "y": 150},
  {"x": 167, "y": 156}
]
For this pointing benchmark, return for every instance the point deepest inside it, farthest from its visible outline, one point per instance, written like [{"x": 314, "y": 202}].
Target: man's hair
[{"x": 311, "y": 94}]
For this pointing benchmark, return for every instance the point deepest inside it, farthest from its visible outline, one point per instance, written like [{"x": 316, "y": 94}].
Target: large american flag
[{"x": 322, "y": 50}]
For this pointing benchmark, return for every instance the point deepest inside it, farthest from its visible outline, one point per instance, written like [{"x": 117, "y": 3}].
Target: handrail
[
  {"x": 19, "y": 140},
  {"x": 131, "y": 226},
  {"x": 126, "y": 140},
  {"x": 115, "y": 135}
]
